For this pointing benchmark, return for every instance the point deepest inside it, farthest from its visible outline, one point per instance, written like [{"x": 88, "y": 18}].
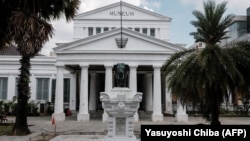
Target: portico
[{"x": 91, "y": 84}]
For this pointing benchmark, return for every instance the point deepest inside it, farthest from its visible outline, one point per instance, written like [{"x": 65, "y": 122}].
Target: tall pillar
[
  {"x": 108, "y": 78},
  {"x": 133, "y": 84},
  {"x": 11, "y": 84},
  {"x": 157, "y": 113},
  {"x": 92, "y": 99},
  {"x": 58, "y": 111},
  {"x": 33, "y": 87},
  {"x": 83, "y": 114},
  {"x": 108, "y": 85},
  {"x": 149, "y": 92},
  {"x": 133, "y": 78},
  {"x": 181, "y": 115},
  {"x": 168, "y": 99},
  {"x": 72, "y": 92}
]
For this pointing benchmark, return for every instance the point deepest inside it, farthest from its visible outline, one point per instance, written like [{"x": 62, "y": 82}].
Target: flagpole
[{"x": 121, "y": 16}]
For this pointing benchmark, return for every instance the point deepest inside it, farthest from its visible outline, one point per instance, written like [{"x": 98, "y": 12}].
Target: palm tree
[
  {"x": 206, "y": 76},
  {"x": 29, "y": 27},
  {"x": 211, "y": 26}
]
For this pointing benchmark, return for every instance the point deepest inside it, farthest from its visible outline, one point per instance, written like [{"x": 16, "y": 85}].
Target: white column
[
  {"x": 168, "y": 99},
  {"x": 148, "y": 31},
  {"x": 72, "y": 97},
  {"x": 94, "y": 30},
  {"x": 11, "y": 87},
  {"x": 83, "y": 114},
  {"x": 92, "y": 99},
  {"x": 133, "y": 84},
  {"x": 181, "y": 115},
  {"x": 149, "y": 91},
  {"x": 133, "y": 78},
  {"x": 108, "y": 86},
  {"x": 33, "y": 87},
  {"x": 58, "y": 111},
  {"x": 102, "y": 29},
  {"x": 157, "y": 113},
  {"x": 108, "y": 78}
]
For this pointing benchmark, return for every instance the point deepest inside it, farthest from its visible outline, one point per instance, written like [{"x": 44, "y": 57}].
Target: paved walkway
[{"x": 95, "y": 128}]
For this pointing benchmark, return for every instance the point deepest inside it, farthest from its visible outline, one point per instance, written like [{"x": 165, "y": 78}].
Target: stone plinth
[{"x": 121, "y": 105}]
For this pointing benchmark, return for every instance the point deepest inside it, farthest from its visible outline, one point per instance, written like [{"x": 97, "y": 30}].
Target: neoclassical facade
[
  {"x": 84, "y": 67},
  {"x": 93, "y": 54}
]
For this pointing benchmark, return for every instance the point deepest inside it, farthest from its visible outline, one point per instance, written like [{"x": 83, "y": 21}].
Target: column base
[
  {"x": 82, "y": 117},
  {"x": 58, "y": 117},
  {"x": 157, "y": 117},
  {"x": 181, "y": 117}
]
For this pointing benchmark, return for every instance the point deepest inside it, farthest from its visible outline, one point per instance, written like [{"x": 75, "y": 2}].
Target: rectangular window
[
  {"x": 137, "y": 29},
  {"x": 106, "y": 29},
  {"x": 3, "y": 87},
  {"x": 98, "y": 30},
  {"x": 152, "y": 32},
  {"x": 53, "y": 90},
  {"x": 90, "y": 31},
  {"x": 113, "y": 28},
  {"x": 16, "y": 88},
  {"x": 42, "y": 88},
  {"x": 66, "y": 91},
  {"x": 145, "y": 30}
]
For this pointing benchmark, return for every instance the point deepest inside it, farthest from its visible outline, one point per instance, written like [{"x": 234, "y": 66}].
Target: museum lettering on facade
[{"x": 124, "y": 13}]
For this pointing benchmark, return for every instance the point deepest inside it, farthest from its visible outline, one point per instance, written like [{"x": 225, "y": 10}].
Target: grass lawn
[{"x": 5, "y": 129}]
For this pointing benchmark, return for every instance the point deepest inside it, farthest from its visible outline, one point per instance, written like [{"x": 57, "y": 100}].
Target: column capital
[
  {"x": 84, "y": 65},
  {"x": 133, "y": 65},
  {"x": 108, "y": 65},
  {"x": 155, "y": 66}
]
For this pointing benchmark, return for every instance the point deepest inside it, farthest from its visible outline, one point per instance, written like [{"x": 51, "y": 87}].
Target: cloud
[
  {"x": 93, "y": 4},
  {"x": 237, "y": 7},
  {"x": 150, "y": 3}
]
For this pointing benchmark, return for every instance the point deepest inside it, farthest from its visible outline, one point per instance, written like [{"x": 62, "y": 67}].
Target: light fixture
[{"x": 121, "y": 42}]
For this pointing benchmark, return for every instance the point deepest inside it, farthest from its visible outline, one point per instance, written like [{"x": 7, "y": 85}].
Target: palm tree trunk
[
  {"x": 215, "y": 111},
  {"x": 21, "y": 125}
]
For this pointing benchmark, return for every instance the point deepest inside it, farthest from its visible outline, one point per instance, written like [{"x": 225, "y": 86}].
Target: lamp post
[{"x": 121, "y": 42}]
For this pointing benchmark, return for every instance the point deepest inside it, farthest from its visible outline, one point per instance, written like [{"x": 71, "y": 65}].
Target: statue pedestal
[{"x": 121, "y": 105}]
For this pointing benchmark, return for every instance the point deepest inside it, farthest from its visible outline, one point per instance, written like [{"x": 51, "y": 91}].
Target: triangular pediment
[
  {"x": 105, "y": 42},
  {"x": 130, "y": 12}
]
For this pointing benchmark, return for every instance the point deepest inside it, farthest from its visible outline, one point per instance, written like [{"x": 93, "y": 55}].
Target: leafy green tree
[
  {"x": 28, "y": 26},
  {"x": 207, "y": 76}
]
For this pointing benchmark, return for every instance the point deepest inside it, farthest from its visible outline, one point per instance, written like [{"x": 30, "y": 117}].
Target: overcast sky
[{"x": 179, "y": 10}]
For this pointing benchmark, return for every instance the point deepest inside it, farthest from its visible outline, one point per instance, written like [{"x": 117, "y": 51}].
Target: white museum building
[{"x": 84, "y": 67}]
